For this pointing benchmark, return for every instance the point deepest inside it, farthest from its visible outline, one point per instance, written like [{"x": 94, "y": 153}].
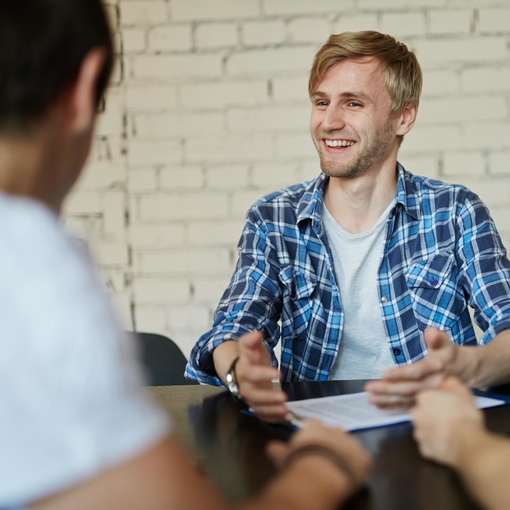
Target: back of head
[
  {"x": 42, "y": 46},
  {"x": 400, "y": 67}
]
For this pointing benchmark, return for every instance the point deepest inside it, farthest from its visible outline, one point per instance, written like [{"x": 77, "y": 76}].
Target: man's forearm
[
  {"x": 223, "y": 356},
  {"x": 488, "y": 364}
]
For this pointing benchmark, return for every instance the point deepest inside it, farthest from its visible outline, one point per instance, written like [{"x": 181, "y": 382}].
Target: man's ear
[
  {"x": 81, "y": 101},
  {"x": 407, "y": 118}
]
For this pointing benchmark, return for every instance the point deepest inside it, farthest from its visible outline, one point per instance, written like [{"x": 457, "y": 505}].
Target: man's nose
[{"x": 333, "y": 118}]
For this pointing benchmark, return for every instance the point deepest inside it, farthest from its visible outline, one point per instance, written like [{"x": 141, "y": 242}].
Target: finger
[
  {"x": 436, "y": 339},
  {"x": 257, "y": 396},
  {"x": 271, "y": 413},
  {"x": 405, "y": 388},
  {"x": 250, "y": 346},
  {"x": 456, "y": 386},
  {"x": 384, "y": 401},
  {"x": 255, "y": 373},
  {"x": 415, "y": 371}
]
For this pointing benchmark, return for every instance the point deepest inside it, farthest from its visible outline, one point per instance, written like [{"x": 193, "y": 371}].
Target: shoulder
[
  {"x": 440, "y": 192},
  {"x": 285, "y": 203}
]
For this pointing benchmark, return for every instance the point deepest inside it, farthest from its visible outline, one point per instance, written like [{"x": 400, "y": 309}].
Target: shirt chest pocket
[
  {"x": 436, "y": 295},
  {"x": 298, "y": 289}
]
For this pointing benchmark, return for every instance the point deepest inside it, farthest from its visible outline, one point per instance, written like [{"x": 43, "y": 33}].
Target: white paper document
[{"x": 354, "y": 412}]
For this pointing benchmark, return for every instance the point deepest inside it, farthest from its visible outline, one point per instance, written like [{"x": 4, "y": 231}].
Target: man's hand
[
  {"x": 399, "y": 386},
  {"x": 446, "y": 421},
  {"x": 254, "y": 375}
]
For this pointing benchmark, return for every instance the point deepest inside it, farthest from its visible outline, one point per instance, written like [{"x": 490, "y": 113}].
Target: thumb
[
  {"x": 435, "y": 339},
  {"x": 250, "y": 346}
]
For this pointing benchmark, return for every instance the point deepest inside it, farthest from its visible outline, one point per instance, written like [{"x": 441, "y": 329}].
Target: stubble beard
[{"x": 376, "y": 149}]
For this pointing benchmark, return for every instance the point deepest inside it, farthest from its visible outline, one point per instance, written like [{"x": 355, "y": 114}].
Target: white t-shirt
[
  {"x": 364, "y": 352},
  {"x": 71, "y": 404}
]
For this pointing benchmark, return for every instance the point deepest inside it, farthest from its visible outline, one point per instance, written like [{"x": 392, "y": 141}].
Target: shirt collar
[
  {"x": 310, "y": 205},
  {"x": 406, "y": 194}
]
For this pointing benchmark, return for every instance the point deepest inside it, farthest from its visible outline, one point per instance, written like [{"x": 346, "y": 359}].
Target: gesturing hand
[
  {"x": 254, "y": 375},
  {"x": 399, "y": 385}
]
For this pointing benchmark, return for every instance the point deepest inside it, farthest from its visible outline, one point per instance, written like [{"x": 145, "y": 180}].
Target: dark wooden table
[{"x": 229, "y": 446}]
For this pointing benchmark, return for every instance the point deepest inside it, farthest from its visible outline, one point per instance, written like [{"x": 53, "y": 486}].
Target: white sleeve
[{"x": 71, "y": 403}]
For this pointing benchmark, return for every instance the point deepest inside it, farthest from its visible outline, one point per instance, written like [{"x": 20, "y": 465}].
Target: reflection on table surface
[{"x": 229, "y": 446}]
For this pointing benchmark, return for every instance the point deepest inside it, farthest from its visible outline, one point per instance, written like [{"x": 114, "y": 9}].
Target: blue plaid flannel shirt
[{"x": 442, "y": 252}]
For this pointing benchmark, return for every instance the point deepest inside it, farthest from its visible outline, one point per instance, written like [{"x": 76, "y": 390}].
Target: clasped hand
[{"x": 399, "y": 385}]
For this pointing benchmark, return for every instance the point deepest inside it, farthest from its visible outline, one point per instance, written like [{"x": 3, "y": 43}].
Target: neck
[
  {"x": 28, "y": 167},
  {"x": 358, "y": 203}
]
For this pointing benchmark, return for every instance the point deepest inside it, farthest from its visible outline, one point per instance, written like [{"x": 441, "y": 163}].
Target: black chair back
[{"x": 163, "y": 359}]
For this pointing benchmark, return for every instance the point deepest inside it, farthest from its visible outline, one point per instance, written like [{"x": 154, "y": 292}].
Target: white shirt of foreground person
[{"x": 71, "y": 400}]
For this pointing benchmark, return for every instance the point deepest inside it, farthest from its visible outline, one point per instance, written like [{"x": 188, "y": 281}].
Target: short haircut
[
  {"x": 42, "y": 46},
  {"x": 400, "y": 67}
]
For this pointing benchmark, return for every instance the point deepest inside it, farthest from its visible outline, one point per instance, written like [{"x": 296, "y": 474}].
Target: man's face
[{"x": 350, "y": 123}]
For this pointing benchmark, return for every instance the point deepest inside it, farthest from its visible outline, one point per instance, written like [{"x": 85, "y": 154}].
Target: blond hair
[{"x": 400, "y": 68}]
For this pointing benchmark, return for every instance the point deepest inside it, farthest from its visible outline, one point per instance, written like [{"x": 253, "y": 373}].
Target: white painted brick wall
[
  {"x": 464, "y": 163},
  {"x": 177, "y": 66},
  {"x": 444, "y": 21},
  {"x": 170, "y": 39},
  {"x": 278, "y": 61},
  {"x": 273, "y": 118},
  {"x": 260, "y": 33},
  {"x": 217, "y": 35},
  {"x": 209, "y": 112},
  {"x": 161, "y": 290},
  {"x": 231, "y": 148},
  {"x": 475, "y": 49},
  {"x": 218, "y": 95},
  {"x": 156, "y": 235},
  {"x": 494, "y": 20},
  {"x": 294, "y": 7},
  {"x": 143, "y": 12},
  {"x": 403, "y": 24},
  {"x": 229, "y": 177},
  {"x": 308, "y": 30},
  {"x": 177, "y": 125},
  {"x": 182, "y": 206},
  {"x": 353, "y": 22},
  {"x": 180, "y": 262},
  {"x": 154, "y": 152},
  {"x": 191, "y": 10},
  {"x": 150, "y": 97},
  {"x": 133, "y": 40}
]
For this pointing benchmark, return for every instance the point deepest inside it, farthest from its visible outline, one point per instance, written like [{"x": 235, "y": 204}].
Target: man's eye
[
  {"x": 322, "y": 103},
  {"x": 355, "y": 104}
]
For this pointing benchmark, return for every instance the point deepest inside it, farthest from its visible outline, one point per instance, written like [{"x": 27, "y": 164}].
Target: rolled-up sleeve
[{"x": 252, "y": 301}]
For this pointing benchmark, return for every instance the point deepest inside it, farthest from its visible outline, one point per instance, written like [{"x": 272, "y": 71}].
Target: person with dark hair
[
  {"x": 368, "y": 271},
  {"x": 76, "y": 428}
]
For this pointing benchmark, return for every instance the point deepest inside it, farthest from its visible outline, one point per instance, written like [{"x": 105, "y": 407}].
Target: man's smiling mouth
[{"x": 339, "y": 143}]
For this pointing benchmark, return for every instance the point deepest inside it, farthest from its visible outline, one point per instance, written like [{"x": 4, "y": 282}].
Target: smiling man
[{"x": 366, "y": 269}]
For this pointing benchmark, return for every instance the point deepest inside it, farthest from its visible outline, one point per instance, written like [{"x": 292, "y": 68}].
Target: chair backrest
[{"x": 163, "y": 359}]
